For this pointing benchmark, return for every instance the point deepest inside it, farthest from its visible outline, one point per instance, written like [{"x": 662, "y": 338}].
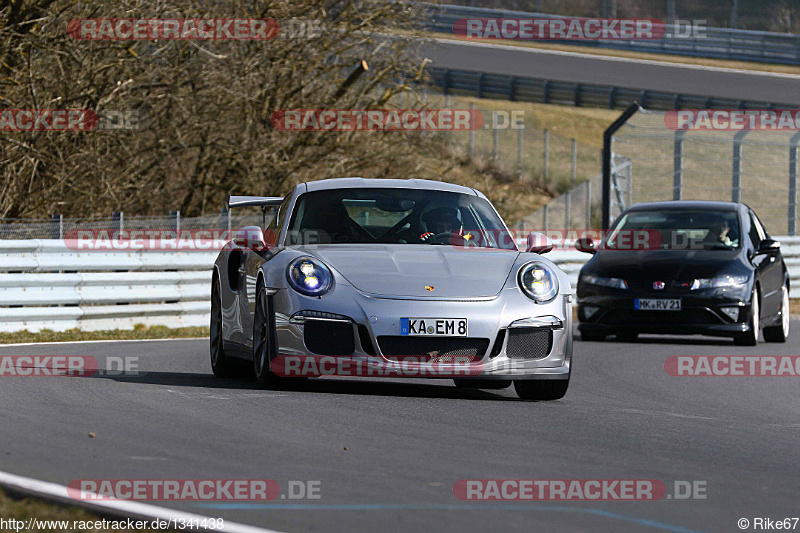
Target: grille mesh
[
  {"x": 529, "y": 343},
  {"x": 440, "y": 349}
]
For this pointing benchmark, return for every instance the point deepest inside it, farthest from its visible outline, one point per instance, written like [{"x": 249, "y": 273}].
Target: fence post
[
  {"x": 519, "y": 147},
  {"x": 546, "y": 215},
  {"x": 567, "y": 202},
  {"x": 495, "y": 136},
  {"x": 471, "y": 132},
  {"x": 175, "y": 221},
  {"x": 677, "y": 165},
  {"x": 574, "y": 163},
  {"x": 57, "y": 226},
  {"x": 792, "y": 218},
  {"x": 588, "y": 204},
  {"x": 447, "y": 106},
  {"x": 117, "y": 223},
  {"x": 546, "y": 156},
  {"x": 736, "y": 178}
]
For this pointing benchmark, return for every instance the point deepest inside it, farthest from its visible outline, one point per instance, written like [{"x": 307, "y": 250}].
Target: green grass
[
  {"x": 26, "y": 508},
  {"x": 138, "y": 333}
]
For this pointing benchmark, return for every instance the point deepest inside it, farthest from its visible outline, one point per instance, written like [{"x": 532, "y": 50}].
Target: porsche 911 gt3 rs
[{"x": 395, "y": 274}]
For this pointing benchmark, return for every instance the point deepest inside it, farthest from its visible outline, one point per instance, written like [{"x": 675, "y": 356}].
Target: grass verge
[
  {"x": 138, "y": 333},
  {"x": 74, "y": 518}
]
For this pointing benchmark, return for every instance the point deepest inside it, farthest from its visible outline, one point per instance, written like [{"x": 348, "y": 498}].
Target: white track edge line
[
  {"x": 99, "y": 341},
  {"x": 53, "y": 491}
]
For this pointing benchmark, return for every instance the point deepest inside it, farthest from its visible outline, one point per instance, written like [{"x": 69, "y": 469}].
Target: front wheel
[
  {"x": 541, "y": 389},
  {"x": 750, "y": 338},
  {"x": 780, "y": 332},
  {"x": 263, "y": 347}
]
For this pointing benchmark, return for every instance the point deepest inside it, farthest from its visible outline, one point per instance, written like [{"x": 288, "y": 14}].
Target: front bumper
[
  {"x": 366, "y": 328},
  {"x": 701, "y": 313}
]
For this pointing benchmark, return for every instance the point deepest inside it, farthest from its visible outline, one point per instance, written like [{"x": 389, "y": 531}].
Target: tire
[
  {"x": 627, "y": 337},
  {"x": 263, "y": 348},
  {"x": 486, "y": 384},
  {"x": 587, "y": 336},
  {"x": 750, "y": 338},
  {"x": 541, "y": 389},
  {"x": 221, "y": 364},
  {"x": 780, "y": 332}
]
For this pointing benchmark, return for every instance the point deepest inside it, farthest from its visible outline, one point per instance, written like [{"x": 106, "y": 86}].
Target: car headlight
[
  {"x": 719, "y": 281},
  {"x": 309, "y": 276},
  {"x": 614, "y": 283},
  {"x": 538, "y": 282}
]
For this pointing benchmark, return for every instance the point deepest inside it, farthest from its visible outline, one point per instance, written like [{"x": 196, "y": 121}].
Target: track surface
[
  {"x": 635, "y": 74},
  {"x": 410, "y": 441}
]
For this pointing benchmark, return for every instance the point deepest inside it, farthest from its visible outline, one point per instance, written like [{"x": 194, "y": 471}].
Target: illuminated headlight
[
  {"x": 719, "y": 281},
  {"x": 538, "y": 282},
  {"x": 614, "y": 283},
  {"x": 309, "y": 276}
]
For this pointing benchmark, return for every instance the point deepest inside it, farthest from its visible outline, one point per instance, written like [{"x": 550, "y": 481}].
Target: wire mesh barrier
[
  {"x": 509, "y": 140},
  {"x": 758, "y": 168},
  {"x": 59, "y": 227}
]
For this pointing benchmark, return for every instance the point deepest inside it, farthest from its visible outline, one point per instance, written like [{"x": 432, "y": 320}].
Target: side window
[
  {"x": 756, "y": 231},
  {"x": 273, "y": 229}
]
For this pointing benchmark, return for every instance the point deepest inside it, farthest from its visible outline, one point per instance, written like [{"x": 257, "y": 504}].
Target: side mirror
[
  {"x": 250, "y": 237},
  {"x": 539, "y": 243},
  {"x": 768, "y": 246},
  {"x": 585, "y": 244}
]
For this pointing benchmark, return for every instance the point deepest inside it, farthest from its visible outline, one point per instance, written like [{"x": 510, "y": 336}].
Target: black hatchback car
[{"x": 685, "y": 267}]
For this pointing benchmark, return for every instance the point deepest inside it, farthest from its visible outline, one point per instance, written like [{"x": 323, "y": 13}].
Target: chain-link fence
[
  {"x": 59, "y": 227},
  {"x": 758, "y": 168},
  {"x": 509, "y": 140}
]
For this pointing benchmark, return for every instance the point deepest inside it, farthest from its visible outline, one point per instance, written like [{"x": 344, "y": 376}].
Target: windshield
[
  {"x": 396, "y": 216},
  {"x": 673, "y": 229}
]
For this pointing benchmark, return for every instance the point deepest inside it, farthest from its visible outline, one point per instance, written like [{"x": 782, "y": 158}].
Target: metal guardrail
[
  {"x": 46, "y": 285},
  {"x": 571, "y": 261},
  {"x": 527, "y": 89},
  {"x": 717, "y": 43}
]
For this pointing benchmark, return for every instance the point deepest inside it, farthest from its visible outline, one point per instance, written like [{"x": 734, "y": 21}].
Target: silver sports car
[{"x": 390, "y": 278}]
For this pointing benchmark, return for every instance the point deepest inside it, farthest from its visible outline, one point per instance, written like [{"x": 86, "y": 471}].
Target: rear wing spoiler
[{"x": 254, "y": 201}]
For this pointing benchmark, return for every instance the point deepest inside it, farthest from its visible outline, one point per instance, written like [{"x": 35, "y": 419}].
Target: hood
[
  {"x": 642, "y": 268},
  {"x": 406, "y": 269}
]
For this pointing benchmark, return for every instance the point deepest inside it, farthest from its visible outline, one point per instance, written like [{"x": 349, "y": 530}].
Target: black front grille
[
  {"x": 529, "y": 343},
  {"x": 629, "y": 317},
  {"x": 440, "y": 349},
  {"x": 326, "y": 337}
]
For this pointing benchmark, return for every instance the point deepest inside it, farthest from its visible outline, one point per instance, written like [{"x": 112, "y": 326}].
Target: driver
[
  {"x": 441, "y": 220},
  {"x": 718, "y": 233}
]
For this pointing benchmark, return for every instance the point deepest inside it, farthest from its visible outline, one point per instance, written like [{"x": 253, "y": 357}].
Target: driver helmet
[{"x": 442, "y": 220}]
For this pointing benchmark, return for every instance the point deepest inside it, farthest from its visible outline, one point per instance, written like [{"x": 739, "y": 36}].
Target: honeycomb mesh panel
[{"x": 529, "y": 343}]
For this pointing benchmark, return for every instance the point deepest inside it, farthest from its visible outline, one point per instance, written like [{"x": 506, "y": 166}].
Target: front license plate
[
  {"x": 657, "y": 304},
  {"x": 421, "y": 327}
]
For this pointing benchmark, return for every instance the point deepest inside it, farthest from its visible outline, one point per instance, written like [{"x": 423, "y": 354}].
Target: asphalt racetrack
[
  {"x": 388, "y": 453},
  {"x": 629, "y": 73}
]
